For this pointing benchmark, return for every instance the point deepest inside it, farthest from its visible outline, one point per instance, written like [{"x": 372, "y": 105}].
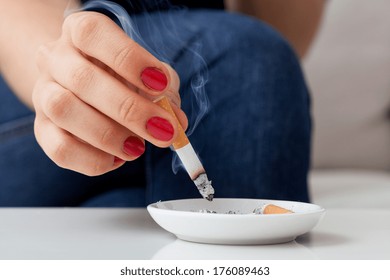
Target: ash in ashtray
[
  {"x": 266, "y": 209},
  {"x": 206, "y": 211},
  {"x": 231, "y": 212}
]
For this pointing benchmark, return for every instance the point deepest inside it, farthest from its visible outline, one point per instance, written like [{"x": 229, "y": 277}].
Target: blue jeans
[{"x": 254, "y": 141}]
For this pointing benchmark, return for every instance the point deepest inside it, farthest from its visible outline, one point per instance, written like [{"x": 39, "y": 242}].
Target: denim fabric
[{"x": 254, "y": 141}]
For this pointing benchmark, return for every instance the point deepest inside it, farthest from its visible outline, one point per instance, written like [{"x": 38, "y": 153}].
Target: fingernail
[
  {"x": 160, "y": 128},
  {"x": 154, "y": 78},
  {"x": 118, "y": 161},
  {"x": 133, "y": 146}
]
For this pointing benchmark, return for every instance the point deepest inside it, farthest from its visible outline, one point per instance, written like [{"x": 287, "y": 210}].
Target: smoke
[
  {"x": 165, "y": 26},
  {"x": 120, "y": 14}
]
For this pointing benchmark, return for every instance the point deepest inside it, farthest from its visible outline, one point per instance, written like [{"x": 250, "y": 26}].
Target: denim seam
[{"x": 16, "y": 128}]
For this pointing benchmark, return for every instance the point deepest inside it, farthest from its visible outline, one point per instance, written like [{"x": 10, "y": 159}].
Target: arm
[
  {"x": 297, "y": 20},
  {"x": 24, "y": 26}
]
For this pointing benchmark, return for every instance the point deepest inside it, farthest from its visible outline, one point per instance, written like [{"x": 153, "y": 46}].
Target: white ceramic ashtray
[{"x": 235, "y": 221}]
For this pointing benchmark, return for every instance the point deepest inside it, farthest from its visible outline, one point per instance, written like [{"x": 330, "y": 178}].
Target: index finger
[{"x": 98, "y": 36}]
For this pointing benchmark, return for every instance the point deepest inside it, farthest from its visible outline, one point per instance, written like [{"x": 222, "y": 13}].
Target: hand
[{"x": 93, "y": 99}]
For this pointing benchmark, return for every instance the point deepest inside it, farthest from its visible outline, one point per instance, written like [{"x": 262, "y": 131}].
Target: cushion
[{"x": 348, "y": 72}]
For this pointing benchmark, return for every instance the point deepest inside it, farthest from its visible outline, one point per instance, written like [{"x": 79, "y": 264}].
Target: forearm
[
  {"x": 297, "y": 20},
  {"x": 24, "y": 26}
]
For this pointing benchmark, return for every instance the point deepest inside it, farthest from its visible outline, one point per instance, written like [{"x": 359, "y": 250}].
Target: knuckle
[
  {"x": 59, "y": 153},
  {"x": 83, "y": 27},
  {"x": 70, "y": 19},
  {"x": 99, "y": 167},
  {"x": 58, "y": 104},
  {"x": 127, "y": 110},
  {"x": 107, "y": 136},
  {"x": 81, "y": 77},
  {"x": 123, "y": 56}
]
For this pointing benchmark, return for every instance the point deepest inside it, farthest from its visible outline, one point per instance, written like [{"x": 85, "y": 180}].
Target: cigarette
[
  {"x": 182, "y": 146},
  {"x": 273, "y": 209}
]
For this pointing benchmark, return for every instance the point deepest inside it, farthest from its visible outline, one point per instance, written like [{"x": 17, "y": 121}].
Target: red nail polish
[
  {"x": 160, "y": 128},
  {"x": 154, "y": 79},
  {"x": 133, "y": 146},
  {"x": 118, "y": 161}
]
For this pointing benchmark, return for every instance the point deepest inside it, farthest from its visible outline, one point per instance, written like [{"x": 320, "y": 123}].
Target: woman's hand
[{"x": 93, "y": 99}]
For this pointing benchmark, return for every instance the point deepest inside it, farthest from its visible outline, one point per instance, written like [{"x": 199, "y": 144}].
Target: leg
[{"x": 255, "y": 140}]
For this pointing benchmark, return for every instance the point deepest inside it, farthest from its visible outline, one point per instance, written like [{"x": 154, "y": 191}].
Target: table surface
[{"x": 101, "y": 233}]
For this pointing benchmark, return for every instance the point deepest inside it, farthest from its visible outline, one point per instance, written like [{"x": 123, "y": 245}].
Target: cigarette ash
[
  {"x": 231, "y": 212},
  {"x": 204, "y": 186},
  {"x": 263, "y": 210}
]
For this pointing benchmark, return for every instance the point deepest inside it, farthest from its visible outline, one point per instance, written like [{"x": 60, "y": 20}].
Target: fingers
[
  {"x": 181, "y": 116},
  {"x": 69, "y": 113},
  {"x": 173, "y": 91},
  {"x": 67, "y": 152},
  {"x": 102, "y": 91},
  {"x": 129, "y": 60},
  {"x": 173, "y": 95},
  {"x": 94, "y": 98},
  {"x": 94, "y": 34}
]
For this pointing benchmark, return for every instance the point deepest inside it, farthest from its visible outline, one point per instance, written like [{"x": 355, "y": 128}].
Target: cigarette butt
[
  {"x": 273, "y": 209},
  {"x": 181, "y": 140}
]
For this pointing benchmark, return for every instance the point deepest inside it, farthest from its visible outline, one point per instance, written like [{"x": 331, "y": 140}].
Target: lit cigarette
[
  {"x": 273, "y": 209},
  {"x": 187, "y": 155}
]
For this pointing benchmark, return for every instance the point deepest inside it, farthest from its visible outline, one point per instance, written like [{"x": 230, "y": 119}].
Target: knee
[
  {"x": 249, "y": 39},
  {"x": 251, "y": 50},
  {"x": 256, "y": 62}
]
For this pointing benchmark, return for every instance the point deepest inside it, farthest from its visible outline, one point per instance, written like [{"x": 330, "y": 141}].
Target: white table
[{"x": 98, "y": 233}]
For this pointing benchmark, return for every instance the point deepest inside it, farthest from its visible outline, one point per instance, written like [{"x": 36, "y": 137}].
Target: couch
[{"x": 348, "y": 73}]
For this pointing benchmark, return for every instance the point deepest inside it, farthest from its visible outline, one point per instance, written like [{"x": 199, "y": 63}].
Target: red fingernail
[
  {"x": 133, "y": 146},
  {"x": 160, "y": 128},
  {"x": 154, "y": 79},
  {"x": 118, "y": 161}
]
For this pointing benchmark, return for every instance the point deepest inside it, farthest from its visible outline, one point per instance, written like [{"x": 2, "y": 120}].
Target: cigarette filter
[
  {"x": 188, "y": 156},
  {"x": 273, "y": 209}
]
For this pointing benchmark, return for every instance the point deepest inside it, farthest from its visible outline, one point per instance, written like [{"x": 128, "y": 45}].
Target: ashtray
[{"x": 235, "y": 221}]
